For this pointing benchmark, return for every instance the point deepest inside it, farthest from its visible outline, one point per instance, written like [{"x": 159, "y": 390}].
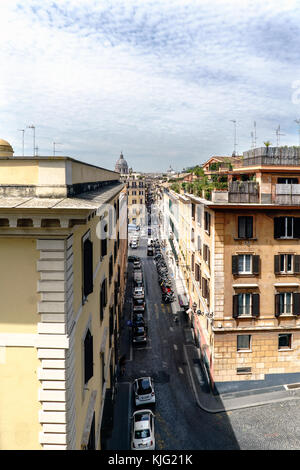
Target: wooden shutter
[
  {"x": 241, "y": 227},
  {"x": 208, "y": 222},
  {"x": 296, "y": 303},
  {"x": 249, "y": 227},
  {"x": 208, "y": 257},
  {"x": 279, "y": 227},
  {"x": 277, "y": 305},
  {"x": 87, "y": 267},
  {"x": 296, "y": 264},
  {"x": 235, "y": 306},
  {"x": 235, "y": 265},
  {"x": 255, "y": 305},
  {"x": 255, "y": 265},
  {"x": 277, "y": 264},
  {"x": 193, "y": 262},
  {"x": 296, "y": 227},
  {"x": 88, "y": 356}
]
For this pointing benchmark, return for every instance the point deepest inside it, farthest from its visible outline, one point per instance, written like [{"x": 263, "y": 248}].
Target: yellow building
[
  {"x": 136, "y": 190},
  {"x": 244, "y": 283},
  {"x": 62, "y": 285}
]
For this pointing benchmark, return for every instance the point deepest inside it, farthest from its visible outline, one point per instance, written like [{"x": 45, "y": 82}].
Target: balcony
[
  {"x": 271, "y": 156},
  {"x": 286, "y": 194},
  {"x": 243, "y": 192}
]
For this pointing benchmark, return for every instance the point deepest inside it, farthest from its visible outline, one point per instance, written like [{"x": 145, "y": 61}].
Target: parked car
[
  {"x": 138, "y": 293},
  {"x": 138, "y": 320},
  {"x": 143, "y": 390},
  {"x": 139, "y": 305},
  {"x": 132, "y": 258},
  {"x": 142, "y": 437},
  {"x": 139, "y": 335},
  {"x": 133, "y": 245},
  {"x": 137, "y": 265}
]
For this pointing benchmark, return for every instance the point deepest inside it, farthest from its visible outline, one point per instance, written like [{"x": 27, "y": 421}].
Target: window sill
[
  {"x": 244, "y": 239},
  {"x": 285, "y": 349},
  {"x": 244, "y": 351}
]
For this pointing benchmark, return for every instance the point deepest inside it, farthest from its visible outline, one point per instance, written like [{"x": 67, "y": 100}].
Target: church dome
[
  {"x": 121, "y": 165},
  {"x": 6, "y": 149}
]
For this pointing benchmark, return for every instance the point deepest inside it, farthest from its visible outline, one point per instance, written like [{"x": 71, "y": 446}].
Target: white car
[
  {"x": 138, "y": 293},
  {"x": 142, "y": 437},
  {"x": 134, "y": 245},
  {"x": 143, "y": 390}
]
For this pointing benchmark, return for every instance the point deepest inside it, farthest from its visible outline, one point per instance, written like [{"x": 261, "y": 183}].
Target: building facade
[
  {"x": 136, "y": 193},
  {"x": 63, "y": 264},
  {"x": 244, "y": 282}
]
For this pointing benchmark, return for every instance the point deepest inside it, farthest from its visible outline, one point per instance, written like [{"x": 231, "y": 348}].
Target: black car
[
  {"x": 132, "y": 258},
  {"x": 138, "y": 320},
  {"x": 139, "y": 335}
]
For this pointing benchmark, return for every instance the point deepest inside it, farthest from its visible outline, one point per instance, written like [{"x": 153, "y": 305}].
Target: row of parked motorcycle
[{"x": 164, "y": 279}]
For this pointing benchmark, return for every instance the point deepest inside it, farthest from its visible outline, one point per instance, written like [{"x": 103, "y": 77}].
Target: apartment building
[
  {"x": 63, "y": 259},
  {"x": 244, "y": 284},
  {"x": 136, "y": 193}
]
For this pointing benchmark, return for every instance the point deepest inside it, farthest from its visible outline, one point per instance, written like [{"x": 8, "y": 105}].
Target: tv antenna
[
  {"x": 33, "y": 128},
  {"x": 54, "y": 144},
  {"x": 278, "y": 134},
  {"x": 297, "y": 121},
  {"x": 254, "y": 134},
  {"x": 23, "y": 131},
  {"x": 235, "y": 145}
]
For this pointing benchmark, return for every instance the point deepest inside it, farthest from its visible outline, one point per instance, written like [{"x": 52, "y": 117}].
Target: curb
[{"x": 230, "y": 408}]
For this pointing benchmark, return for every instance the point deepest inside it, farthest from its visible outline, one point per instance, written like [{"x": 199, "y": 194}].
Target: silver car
[{"x": 143, "y": 390}]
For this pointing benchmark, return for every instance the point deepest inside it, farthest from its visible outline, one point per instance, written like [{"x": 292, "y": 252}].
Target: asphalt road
[{"x": 179, "y": 423}]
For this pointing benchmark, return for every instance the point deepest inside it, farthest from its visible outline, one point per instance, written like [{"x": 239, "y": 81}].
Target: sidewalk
[
  {"x": 204, "y": 397},
  {"x": 211, "y": 403}
]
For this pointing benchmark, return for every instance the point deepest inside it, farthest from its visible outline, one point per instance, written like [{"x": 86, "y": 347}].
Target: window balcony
[{"x": 243, "y": 192}]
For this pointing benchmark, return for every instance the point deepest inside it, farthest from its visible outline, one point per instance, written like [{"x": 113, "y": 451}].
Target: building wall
[{"x": 264, "y": 357}]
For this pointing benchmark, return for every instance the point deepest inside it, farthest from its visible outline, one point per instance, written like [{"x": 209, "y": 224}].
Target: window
[
  {"x": 245, "y": 227},
  {"x": 207, "y": 222},
  {"x": 199, "y": 243},
  {"x": 245, "y": 304},
  {"x": 199, "y": 214},
  {"x": 197, "y": 272},
  {"x": 193, "y": 211},
  {"x": 287, "y": 181},
  {"x": 286, "y": 263},
  {"x": 141, "y": 201},
  {"x": 286, "y": 227},
  {"x": 103, "y": 298},
  {"x": 87, "y": 265},
  {"x": 193, "y": 236},
  {"x": 245, "y": 264},
  {"x": 110, "y": 268},
  {"x": 88, "y": 357},
  {"x": 104, "y": 240},
  {"x": 141, "y": 193},
  {"x": 206, "y": 254},
  {"x": 243, "y": 342},
  {"x": 133, "y": 193},
  {"x": 285, "y": 341},
  {"x": 287, "y": 303},
  {"x": 193, "y": 262},
  {"x": 133, "y": 201}
]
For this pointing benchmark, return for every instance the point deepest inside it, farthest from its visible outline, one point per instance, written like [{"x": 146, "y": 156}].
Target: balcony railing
[
  {"x": 271, "y": 156},
  {"x": 243, "y": 192},
  {"x": 287, "y": 194}
]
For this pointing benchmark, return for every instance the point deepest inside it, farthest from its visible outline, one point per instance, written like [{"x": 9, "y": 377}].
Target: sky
[{"x": 159, "y": 80}]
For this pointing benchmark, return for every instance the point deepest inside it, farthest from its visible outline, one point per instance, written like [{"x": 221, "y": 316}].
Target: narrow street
[{"x": 179, "y": 423}]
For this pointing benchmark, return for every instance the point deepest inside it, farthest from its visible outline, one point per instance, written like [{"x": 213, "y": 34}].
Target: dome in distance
[
  {"x": 6, "y": 149},
  {"x": 121, "y": 166}
]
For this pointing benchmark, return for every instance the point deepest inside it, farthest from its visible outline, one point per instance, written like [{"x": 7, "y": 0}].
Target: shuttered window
[
  {"x": 88, "y": 357},
  {"x": 287, "y": 303},
  {"x": 245, "y": 227},
  {"x": 197, "y": 272},
  {"x": 110, "y": 268},
  {"x": 246, "y": 304},
  {"x": 104, "y": 241},
  {"x": 103, "y": 298},
  {"x": 87, "y": 267},
  {"x": 286, "y": 227},
  {"x": 207, "y": 222}
]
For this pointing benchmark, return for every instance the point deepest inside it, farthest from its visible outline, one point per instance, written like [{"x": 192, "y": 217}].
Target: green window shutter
[
  {"x": 296, "y": 303},
  {"x": 255, "y": 305},
  {"x": 277, "y": 264},
  {"x": 235, "y": 265},
  {"x": 255, "y": 265}
]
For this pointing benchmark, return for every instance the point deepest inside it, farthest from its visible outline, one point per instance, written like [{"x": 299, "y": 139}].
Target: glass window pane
[
  {"x": 288, "y": 301},
  {"x": 243, "y": 342},
  {"x": 289, "y": 226},
  {"x": 282, "y": 263},
  {"x": 247, "y": 304},
  {"x": 248, "y": 262},
  {"x": 240, "y": 304},
  {"x": 241, "y": 263},
  {"x": 281, "y": 303},
  {"x": 289, "y": 262}
]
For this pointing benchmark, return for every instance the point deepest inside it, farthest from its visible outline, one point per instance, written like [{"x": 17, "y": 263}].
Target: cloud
[{"x": 158, "y": 79}]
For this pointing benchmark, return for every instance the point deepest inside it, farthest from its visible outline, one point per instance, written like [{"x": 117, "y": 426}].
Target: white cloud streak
[{"x": 158, "y": 79}]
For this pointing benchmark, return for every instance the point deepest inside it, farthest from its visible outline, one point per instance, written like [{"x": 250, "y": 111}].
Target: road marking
[
  {"x": 175, "y": 347},
  {"x": 180, "y": 370},
  {"x": 171, "y": 328}
]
